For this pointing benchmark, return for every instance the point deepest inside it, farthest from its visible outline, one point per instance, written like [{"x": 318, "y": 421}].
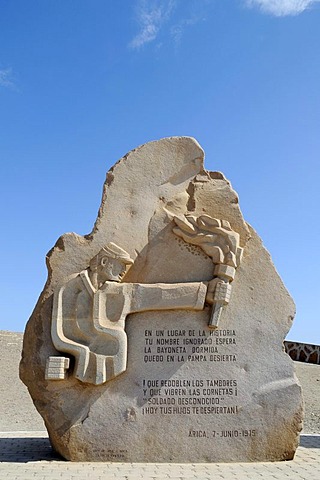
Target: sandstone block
[{"x": 159, "y": 336}]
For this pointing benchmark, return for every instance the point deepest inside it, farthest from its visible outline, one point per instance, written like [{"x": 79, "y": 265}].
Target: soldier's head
[{"x": 110, "y": 263}]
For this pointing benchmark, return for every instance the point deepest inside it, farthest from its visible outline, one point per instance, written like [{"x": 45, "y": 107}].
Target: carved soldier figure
[{"x": 90, "y": 310}]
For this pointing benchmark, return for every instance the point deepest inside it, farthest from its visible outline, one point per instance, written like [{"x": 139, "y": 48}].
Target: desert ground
[{"x": 17, "y": 412}]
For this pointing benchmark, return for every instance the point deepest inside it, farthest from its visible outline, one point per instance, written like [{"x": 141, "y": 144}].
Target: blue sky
[{"x": 84, "y": 82}]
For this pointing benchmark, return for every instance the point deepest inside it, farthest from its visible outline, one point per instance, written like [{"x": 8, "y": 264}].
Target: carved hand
[{"x": 210, "y": 290}]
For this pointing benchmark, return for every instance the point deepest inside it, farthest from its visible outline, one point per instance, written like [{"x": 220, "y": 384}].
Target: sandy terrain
[{"x": 18, "y": 413}]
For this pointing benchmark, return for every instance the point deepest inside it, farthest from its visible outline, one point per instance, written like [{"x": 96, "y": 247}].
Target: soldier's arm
[{"x": 166, "y": 296}]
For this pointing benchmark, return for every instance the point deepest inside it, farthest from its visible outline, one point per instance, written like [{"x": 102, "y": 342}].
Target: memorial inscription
[
  {"x": 208, "y": 396},
  {"x": 159, "y": 336}
]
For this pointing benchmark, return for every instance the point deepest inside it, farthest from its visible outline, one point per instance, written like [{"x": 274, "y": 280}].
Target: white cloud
[
  {"x": 6, "y": 78},
  {"x": 151, "y": 15},
  {"x": 177, "y": 30},
  {"x": 281, "y": 8}
]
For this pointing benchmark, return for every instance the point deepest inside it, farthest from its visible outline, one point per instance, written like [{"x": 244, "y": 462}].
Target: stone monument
[{"x": 159, "y": 336}]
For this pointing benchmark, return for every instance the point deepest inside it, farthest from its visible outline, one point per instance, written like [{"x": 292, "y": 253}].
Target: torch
[{"x": 222, "y": 245}]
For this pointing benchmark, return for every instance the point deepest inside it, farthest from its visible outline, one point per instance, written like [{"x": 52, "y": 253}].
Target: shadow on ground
[
  {"x": 30, "y": 449},
  {"x": 26, "y": 449}
]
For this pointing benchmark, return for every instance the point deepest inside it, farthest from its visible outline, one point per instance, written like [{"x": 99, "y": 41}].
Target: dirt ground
[{"x": 17, "y": 412}]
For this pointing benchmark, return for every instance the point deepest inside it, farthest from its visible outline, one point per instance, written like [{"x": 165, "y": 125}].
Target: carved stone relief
[
  {"x": 90, "y": 309},
  {"x": 138, "y": 350}
]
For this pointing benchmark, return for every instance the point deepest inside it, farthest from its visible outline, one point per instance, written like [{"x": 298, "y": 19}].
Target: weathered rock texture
[{"x": 189, "y": 393}]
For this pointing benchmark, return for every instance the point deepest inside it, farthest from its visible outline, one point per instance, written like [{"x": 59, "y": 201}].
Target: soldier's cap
[{"x": 113, "y": 251}]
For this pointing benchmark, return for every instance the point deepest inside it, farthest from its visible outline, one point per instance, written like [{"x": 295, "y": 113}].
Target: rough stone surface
[{"x": 188, "y": 393}]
